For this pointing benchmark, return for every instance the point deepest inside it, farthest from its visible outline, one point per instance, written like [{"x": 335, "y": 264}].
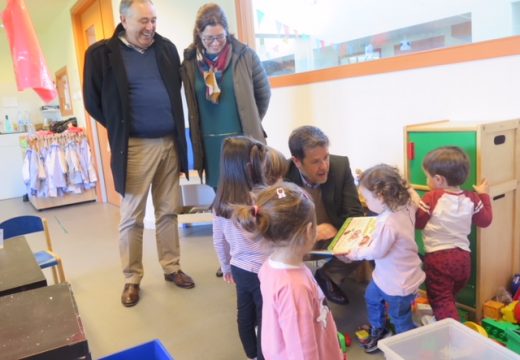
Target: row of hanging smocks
[{"x": 58, "y": 164}]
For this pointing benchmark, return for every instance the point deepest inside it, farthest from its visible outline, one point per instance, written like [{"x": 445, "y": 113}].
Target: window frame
[{"x": 507, "y": 46}]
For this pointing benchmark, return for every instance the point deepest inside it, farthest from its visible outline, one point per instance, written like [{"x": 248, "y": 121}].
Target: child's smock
[
  {"x": 295, "y": 322},
  {"x": 398, "y": 266}
]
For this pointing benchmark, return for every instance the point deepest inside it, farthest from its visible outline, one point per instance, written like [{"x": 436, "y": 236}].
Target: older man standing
[{"x": 132, "y": 88}]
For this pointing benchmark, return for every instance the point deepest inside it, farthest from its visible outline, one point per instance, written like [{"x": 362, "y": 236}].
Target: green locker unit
[{"x": 493, "y": 149}]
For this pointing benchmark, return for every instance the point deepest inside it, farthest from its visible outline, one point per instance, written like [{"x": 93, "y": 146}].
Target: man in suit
[{"x": 328, "y": 179}]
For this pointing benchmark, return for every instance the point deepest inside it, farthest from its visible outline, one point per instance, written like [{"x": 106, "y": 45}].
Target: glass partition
[{"x": 294, "y": 36}]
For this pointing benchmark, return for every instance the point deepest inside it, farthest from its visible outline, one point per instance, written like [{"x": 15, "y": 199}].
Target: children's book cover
[{"x": 354, "y": 233}]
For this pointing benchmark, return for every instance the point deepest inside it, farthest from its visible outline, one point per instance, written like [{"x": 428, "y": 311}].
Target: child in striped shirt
[{"x": 240, "y": 256}]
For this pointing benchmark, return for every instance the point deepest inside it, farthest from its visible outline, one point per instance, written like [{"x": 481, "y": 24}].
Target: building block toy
[
  {"x": 491, "y": 309},
  {"x": 476, "y": 327},
  {"x": 509, "y": 312},
  {"x": 497, "y": 329},
  {"x": 344, "y": 341},
  {"x": 513, "y": 340},
  {"x": 363, "y": 334}
]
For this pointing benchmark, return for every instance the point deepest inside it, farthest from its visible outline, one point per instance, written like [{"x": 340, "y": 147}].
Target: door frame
[{"x": 107, "y": 19}]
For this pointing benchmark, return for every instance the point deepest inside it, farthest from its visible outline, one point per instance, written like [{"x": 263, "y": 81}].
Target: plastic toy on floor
[
  {"x": 497, "y": 329},
  {"x": 476, "y": 327},
  {"x": 492, "y": 308},
  {"x": 422, "y": 311},
  {"x": 344, "y": 342},
  {"x": 363, "y": 334},
  {"x": 511, "y": 312}
]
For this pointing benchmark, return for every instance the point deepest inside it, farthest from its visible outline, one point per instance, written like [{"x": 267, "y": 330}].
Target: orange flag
[{"x": 29, "y": 64}]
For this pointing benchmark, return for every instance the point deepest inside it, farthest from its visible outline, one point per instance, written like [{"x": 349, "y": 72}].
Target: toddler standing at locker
[{"x": 446, "y": 215}]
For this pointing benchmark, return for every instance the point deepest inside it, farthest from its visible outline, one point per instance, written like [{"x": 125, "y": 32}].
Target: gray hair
[{"x": 125, "y": 5}]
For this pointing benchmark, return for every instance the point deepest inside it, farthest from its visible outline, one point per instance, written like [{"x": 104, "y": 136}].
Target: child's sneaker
[
  {"x": 375, "y": 336},
  {"x": 363, "y": 334}
]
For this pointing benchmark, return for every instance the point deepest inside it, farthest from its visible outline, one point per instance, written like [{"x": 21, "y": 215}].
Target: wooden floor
[{"x": 192, "y": 324}]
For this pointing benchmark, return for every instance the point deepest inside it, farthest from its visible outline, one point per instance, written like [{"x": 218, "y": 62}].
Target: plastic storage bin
[
  {"x": 153, "y": 350},
  {"x": 443, "y": 340}
]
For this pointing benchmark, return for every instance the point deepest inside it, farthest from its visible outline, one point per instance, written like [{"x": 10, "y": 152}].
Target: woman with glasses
[{"x": 226, "y": 87}]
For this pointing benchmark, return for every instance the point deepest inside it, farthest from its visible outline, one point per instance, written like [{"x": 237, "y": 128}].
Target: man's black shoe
[{"x": 331, "y": 290}]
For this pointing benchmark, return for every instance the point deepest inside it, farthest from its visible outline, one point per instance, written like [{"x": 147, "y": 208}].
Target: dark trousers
[
  {"x": 447, "y": 272},
  {"x": 336, "y": 270},
  {"x": 249, "y": 310}
]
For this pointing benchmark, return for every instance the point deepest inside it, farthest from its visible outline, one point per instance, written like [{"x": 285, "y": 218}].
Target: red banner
[{"x": 29, "y": 64}]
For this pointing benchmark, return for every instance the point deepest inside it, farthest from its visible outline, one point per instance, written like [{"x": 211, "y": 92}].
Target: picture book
[{"x": 354, "y": 233}]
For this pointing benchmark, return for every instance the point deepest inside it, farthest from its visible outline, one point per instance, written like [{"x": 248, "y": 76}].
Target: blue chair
[{"x": 23, "y": 225}]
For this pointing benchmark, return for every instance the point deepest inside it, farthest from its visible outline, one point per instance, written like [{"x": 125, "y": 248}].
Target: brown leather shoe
[
  {"x": 130, "y": 295},
  {"x": 180, "y": 279}
]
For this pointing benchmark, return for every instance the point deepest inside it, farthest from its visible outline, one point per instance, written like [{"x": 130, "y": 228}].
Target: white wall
[
  {"x": 364, "y": 116},
  {"x": 176, "y": 18}
]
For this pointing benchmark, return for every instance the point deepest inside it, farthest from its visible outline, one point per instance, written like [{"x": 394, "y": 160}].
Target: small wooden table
[
  {"x": 42, "y": 323},
  {"x": 19, "y": 270}
]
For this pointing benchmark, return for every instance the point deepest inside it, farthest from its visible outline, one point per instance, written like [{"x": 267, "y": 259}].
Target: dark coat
[
  {"x": 105, "y": 94},
  {"x": 339, "y": 192}
]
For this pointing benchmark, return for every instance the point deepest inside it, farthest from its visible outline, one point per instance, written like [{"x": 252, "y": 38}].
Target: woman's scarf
[{"x": 212, "y": 70}]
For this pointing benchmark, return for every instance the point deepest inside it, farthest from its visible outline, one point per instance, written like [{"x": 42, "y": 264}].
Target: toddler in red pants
[{"x": 446, "y": 214}]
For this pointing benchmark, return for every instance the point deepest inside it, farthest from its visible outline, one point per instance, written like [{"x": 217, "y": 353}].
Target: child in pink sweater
[{"x": 296, "y": 323}]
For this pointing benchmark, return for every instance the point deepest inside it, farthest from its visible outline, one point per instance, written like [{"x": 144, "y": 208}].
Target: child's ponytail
[
  {"x": 279, "y": 215},
  {"x": 251, "y": 218}
]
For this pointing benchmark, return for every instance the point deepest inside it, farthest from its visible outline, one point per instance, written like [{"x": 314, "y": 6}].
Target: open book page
[{"x": 354, "y": 233}]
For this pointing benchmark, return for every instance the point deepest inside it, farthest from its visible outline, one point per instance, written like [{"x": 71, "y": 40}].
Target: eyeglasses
[{"x": 210, "y": 39}]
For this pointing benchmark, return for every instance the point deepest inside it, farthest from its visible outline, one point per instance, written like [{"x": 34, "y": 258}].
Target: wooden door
[{"x": 93, "y": 21}]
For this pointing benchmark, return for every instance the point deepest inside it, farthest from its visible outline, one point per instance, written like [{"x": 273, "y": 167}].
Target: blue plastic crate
[{"x": 153, "y": 350}]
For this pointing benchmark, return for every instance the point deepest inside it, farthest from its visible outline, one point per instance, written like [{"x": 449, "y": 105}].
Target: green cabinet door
[
  {"x": 424, "y": 142},
  {"x": 421, "y": 143}
]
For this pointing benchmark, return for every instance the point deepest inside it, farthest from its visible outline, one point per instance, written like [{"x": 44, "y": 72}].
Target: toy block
[
  {"x": 497, "y": 329},
  {"x": 508, "y": 312},
  {"x": 491, "y": 309}
]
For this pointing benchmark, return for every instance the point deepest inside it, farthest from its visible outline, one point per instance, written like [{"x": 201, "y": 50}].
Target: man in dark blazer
[
  {"x": 132, "y": 87},
  {"x": 329, "y": 181}
]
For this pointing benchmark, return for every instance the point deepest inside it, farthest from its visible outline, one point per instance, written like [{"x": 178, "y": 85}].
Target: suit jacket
[
  {"x": 105, "y": 94},
  {"x": 339, "y": 192}
]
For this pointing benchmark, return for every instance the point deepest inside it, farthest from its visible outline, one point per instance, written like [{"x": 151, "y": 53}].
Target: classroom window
[{"x": 294, "y": 36}]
